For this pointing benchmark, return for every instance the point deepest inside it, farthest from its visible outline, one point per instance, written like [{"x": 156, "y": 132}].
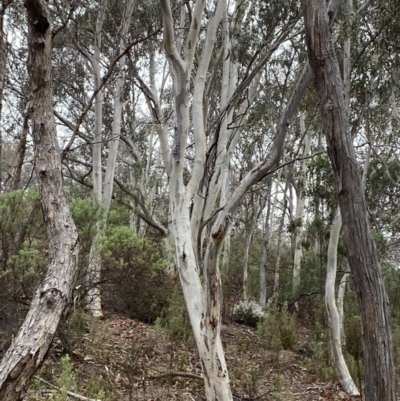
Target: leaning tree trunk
[
  {"x": 334, "y": 318},
  {"x": 362, "y": 256},
  {"x": 33, "y": 339}
]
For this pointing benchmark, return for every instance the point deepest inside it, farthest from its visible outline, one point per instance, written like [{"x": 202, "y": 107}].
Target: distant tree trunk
[
  {"x": 103, "y": 193},
  {"x": 264, "y": 256},
  {"x": 249, "y": 237},
  {"x": 362, "y": 256},
  {"x": 298, "y": 248},
  {"x": 3, "y": 59},
  {"x": 30, "y": 346},
  {"x": 13, "y": 181},
  {"x": 94, "y": 267},
  {"x": 279, "y": 239}
]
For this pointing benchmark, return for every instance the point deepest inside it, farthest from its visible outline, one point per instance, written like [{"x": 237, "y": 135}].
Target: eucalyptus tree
[
  {"x": 299, "y": 222},
  {"x": 94, "y": 267},
  {"x": 334, "y": 317},
  {"x": 265, "y": 246},
  {"x": 362, "y": 255},
  {"x": 198, "y": 247},
  {"x": 252, "y": 213},
  {"x": 99, "y": 52},
  {"x": 103, "y": 193},
  {"x": 32, "y": 342}
]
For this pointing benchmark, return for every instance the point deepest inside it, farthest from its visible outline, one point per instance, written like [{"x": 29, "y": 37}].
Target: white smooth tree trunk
[
  {"x": 335, "y": 313},
  {"x": 299, "y": 219},
  {"x": 264, "y": 257},
  {"x": 203, "y": 298},
  {"x": 345, "y": 378},
  {"x": 94, "y": 267},
  {"x": 103, "y": 193},
  {"x": 340, "y": 305},
  {"x": 279, "y": 239},
  {"x": 200, "y": 279}
]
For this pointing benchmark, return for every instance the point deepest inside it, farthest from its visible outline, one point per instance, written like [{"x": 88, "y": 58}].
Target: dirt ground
[{"x": 123, "y": 359}]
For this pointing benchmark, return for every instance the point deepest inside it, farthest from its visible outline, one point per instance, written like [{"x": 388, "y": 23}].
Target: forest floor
[{"x": 122, "y": 359}]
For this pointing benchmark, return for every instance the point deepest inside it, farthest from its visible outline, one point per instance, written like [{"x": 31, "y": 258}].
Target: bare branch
[{"x": 105, "y": 79}]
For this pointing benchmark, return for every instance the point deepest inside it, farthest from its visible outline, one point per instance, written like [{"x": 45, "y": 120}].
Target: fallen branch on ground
[
  {"x": 175, "y": 374},
  {"x": 70, "y": 393}
]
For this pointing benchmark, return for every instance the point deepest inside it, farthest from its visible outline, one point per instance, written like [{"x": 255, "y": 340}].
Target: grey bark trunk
[
  {"x": 30, "y": 346},
  {"x": 362, "y": 256}
]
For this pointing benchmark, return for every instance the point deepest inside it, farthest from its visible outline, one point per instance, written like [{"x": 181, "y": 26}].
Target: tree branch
[
  {"x": 70, "y": 393},
  {"x": 100, "y": 87}
]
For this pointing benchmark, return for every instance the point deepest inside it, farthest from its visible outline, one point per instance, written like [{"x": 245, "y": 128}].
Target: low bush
[
  {"x": 175, "y": 319},
  {"x": 277, "y": 329},
  {"x": 134, "y": 272},
  {"x": 247, "y": 312}
]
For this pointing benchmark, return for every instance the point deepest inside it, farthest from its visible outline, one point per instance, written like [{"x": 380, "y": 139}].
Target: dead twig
[
  {"x": 175, "y": 374},
  {"x": 70, "y": 393}
]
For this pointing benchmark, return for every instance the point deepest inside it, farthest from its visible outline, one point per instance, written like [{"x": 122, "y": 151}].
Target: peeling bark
[
  {"x": 202, "y": 297},
  {"x": 32, "y": 342}
]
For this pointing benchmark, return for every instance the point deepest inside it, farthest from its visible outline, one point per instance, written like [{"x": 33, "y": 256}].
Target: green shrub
[
  {"x": 136, "y": 281},
  {"x": 175, "y": 319},
  {"x": 23, "y": 256},
  {"x": 318, "y": 355},
  {"x": 65, "y": 381},
  {"x": 277, "y": 330},
  {"x": 352, "y": 329}
]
